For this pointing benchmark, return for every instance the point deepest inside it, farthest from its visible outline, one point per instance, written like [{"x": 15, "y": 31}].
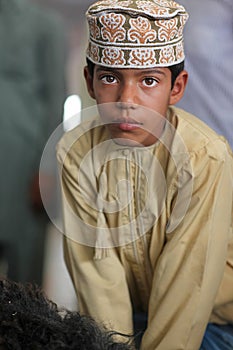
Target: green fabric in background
[{"x": 32, "y": 92}]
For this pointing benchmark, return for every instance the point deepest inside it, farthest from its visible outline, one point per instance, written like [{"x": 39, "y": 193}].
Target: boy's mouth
[{"x": 127, "y": 124}]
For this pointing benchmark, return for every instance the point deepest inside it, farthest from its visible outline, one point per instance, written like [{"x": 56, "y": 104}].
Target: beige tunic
[{"x": 150, "y": 229}]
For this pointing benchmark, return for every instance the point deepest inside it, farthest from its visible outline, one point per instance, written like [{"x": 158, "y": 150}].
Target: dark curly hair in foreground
[{"x": 29, "y": 321}]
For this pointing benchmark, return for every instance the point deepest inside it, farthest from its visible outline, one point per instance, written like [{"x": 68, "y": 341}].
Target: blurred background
[{"x": 72, "y": 13}]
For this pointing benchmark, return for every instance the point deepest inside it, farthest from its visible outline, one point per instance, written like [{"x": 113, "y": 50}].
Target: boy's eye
[
  {"x": 108, "y": 79},
  {"x": 149, "y": 81}
]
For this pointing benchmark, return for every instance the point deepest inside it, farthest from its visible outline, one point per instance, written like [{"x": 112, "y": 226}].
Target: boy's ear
[
  {"x": 89, "y": 82},
  {"x": 178, "y": 89}
]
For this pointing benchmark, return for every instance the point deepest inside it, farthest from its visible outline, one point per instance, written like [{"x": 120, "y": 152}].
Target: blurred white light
[{"x": 72, "y": 112}]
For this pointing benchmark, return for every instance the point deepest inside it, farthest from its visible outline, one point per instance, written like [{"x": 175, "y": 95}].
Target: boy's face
[{"x": 133, "y": 102}]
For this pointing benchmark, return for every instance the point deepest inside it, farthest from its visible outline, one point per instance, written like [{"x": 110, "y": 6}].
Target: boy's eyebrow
[
  {"x": 151, "y": 71},
  {"x": 100, "y": 69},
  {"x": 139, "y": 71}
]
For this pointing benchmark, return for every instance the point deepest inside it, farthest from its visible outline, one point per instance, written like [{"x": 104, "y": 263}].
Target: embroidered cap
[{"x": 136, "y": 34}]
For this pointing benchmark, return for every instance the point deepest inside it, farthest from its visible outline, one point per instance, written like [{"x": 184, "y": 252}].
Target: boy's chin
[{"x": 127, "y": 142}]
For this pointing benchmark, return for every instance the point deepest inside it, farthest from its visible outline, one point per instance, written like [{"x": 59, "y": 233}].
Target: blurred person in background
[
  {"x": 32, "y": 92},
  {"x": 209, "y": 55}
]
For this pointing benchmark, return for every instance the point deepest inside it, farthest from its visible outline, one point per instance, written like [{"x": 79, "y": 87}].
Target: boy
[{"x": 147, "y": 188}]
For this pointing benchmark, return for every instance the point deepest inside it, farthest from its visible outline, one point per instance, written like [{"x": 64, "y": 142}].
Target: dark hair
[
  {"x": 90, "y": 66},
  {"x": 28, "y": 320},
  {"x": 176, "y": 69}
]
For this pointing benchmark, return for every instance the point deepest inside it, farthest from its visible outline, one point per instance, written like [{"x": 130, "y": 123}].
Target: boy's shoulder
[{"x": 196, "y": 134}]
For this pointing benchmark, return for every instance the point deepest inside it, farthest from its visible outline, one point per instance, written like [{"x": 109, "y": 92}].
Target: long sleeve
[
  {"x": 190, "y": 269},
  {"x": 100, "y": 285}
]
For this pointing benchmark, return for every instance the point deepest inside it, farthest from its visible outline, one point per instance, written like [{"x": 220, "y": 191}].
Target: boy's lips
[{"x": 127, "y": 124}]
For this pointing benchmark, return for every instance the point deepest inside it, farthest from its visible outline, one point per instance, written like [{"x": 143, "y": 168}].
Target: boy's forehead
[
  {"x": 133, "y": 71},
  {"x": 133, "y": 34}
]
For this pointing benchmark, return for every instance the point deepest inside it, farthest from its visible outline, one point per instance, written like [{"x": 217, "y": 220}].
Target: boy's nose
[{"x": 128, "y": 95}]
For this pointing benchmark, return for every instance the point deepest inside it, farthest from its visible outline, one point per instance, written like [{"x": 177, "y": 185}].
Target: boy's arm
[
  {"x": 100, "y": 284},
  {"x": 190, "y": 268}
]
